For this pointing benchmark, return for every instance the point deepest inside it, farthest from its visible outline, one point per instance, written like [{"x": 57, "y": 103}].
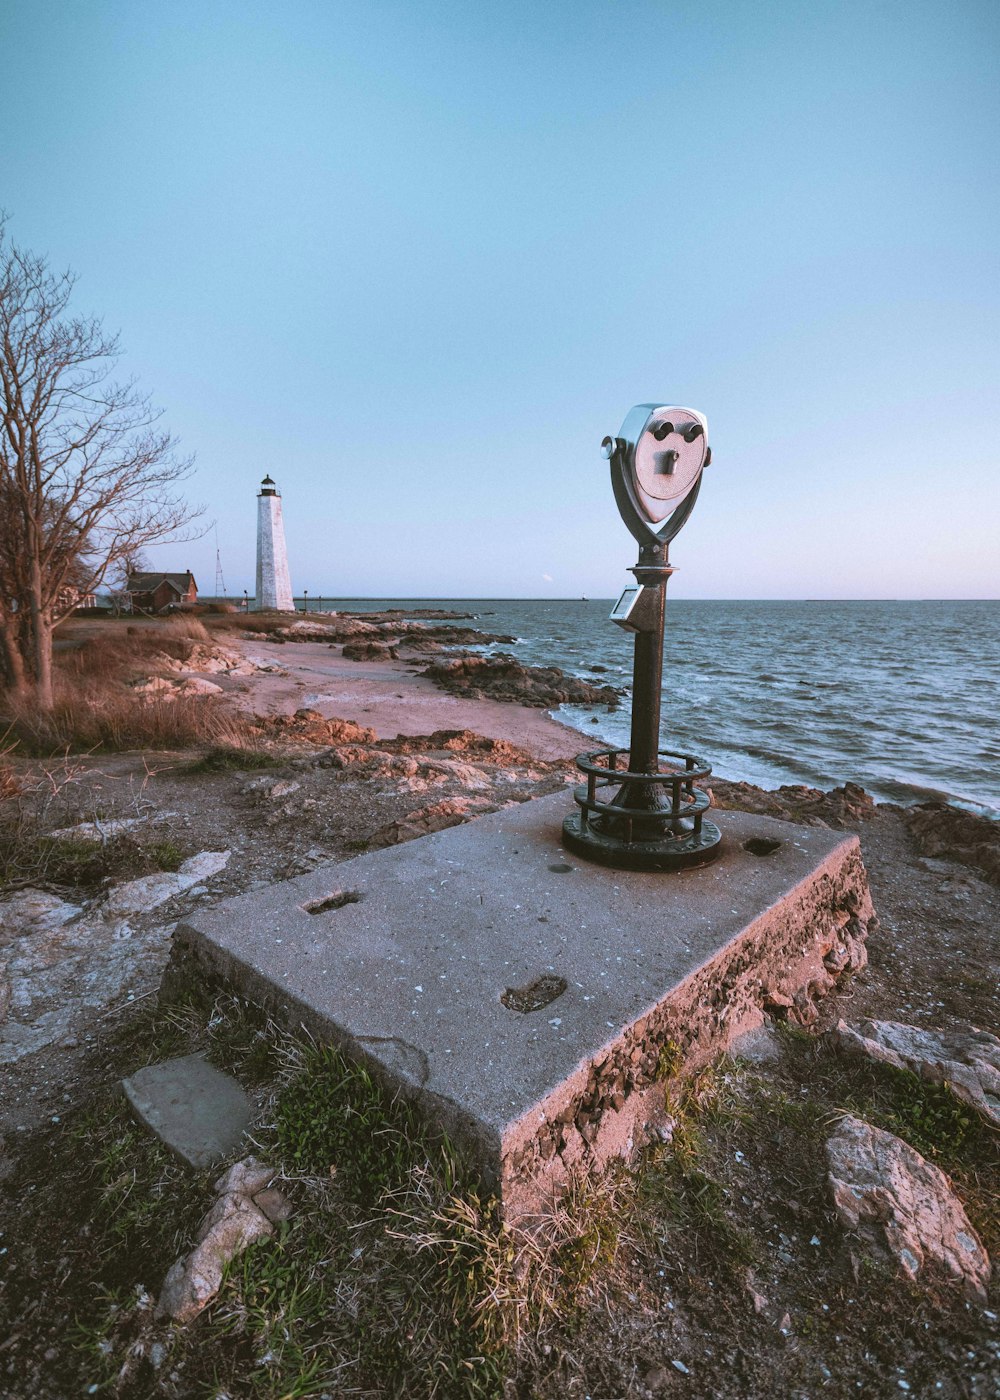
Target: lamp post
[
  {"x": 305, "y": 600},
  {"x": 654, "y": 819}
]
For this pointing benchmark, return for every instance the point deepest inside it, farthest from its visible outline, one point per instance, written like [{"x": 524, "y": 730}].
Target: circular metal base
[{"x": 666, "y": 854}]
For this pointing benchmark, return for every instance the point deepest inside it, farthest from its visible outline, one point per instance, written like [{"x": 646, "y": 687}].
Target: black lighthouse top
[{"x": 267, "y": 487}]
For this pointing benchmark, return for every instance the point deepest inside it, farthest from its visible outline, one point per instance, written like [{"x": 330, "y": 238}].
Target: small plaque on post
[
  {"x": 636, "y": 610},
  {"x": 625, "y": 604}
]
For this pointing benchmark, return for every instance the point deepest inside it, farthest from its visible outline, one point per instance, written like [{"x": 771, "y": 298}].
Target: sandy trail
[{"x": 387, "y": 696}]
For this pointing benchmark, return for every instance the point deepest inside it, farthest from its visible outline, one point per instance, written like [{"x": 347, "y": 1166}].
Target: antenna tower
[{"x": 220, "y": 582}]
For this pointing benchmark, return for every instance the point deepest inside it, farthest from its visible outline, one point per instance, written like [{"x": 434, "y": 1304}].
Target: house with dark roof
[{"x": 155, "y": 593}]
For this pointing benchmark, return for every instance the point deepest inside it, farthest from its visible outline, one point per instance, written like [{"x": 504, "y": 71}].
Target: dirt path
[{"x": 388, "y": 696}]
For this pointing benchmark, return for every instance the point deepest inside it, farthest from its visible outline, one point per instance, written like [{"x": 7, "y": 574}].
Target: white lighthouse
[{"x": 274, "y": 587}]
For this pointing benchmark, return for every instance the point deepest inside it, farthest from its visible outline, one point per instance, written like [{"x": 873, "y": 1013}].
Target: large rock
[
  {"x": 309, "y": 726},
  {"x": 206, "y": 659},
  {"x": 245, "y": 1210},
  {"x": 887, "y": 1193},
  {"x": 368, "y": 651},
  {"x": 966, "y": 1061},
  {"x": 161, "y": 688},
  {"x": 503, "y": 678},
  {"x": 345, "y": 629}
]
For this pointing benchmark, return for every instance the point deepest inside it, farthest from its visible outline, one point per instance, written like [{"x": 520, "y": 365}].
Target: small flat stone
[{"x": 194, "y": 1109}]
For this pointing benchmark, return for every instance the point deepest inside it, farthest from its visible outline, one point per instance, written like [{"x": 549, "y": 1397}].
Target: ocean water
[{"x": 902, "y": 697}]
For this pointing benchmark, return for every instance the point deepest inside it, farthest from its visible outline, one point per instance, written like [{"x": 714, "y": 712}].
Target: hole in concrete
[
  {"x": 542, "y": 992},
  {"x": 560, "y": 868},
  {"x": 337, "y": 900},
  {"x": 761, "y": 845}
]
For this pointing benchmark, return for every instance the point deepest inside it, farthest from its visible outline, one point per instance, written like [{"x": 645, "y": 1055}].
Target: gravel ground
[{"x": 796, "y": 1315}]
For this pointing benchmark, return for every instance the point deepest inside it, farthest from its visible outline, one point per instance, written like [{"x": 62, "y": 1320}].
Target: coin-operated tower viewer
[
  {"x": 274, "y": 587},
  {"x": 639, "y": 808}
]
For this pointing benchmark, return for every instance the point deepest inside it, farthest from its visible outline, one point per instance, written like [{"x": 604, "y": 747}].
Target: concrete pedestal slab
[{"x": 535, "y": 1004}]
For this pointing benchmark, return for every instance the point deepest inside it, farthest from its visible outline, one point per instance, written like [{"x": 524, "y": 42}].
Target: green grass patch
[
  {"x": 669, "y": 1061},
  {"x": 166, "y": 855},
  {"x": 143, "y": 1200},
  {"x": 227, "y": 758},
  {"x": 927, "y": 1116},
  {"x": 79, "y": 865}
]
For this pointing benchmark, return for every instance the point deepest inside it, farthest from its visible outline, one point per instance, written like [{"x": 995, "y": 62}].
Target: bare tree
[
  {"x": 86, "y": 478},
  {"x": 118, "y": 578}
]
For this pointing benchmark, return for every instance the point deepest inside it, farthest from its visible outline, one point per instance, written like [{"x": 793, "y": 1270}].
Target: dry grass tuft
[
  {"x": 126, "y": 652},
  {"x": 95, "y": 709},
  {"x": 509, "y": 1282},
  {"x": 91, "y": 714}
]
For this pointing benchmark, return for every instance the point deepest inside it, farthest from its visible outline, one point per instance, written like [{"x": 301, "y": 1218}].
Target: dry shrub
[
  {"x": 9, "y": 785},
  {"x": 93, "y": 714}
]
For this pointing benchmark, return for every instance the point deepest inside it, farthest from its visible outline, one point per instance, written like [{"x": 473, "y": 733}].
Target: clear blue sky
[{"x": 416, "y": 259}]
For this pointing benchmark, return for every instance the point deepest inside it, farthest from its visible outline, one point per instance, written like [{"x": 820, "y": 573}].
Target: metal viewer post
[{"x": 654, "y": 820}]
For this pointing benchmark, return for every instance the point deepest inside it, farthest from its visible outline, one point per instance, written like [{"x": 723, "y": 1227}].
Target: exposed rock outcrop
[
  {"x": 416, "y": 771},
  {"x": 797, "y": 802},
  {"x": 343, "y": 629},
  {"x": 503, "y": 678},
  {"x": 139, "y": 896},
  {"x": 246, "y": 1209},
  {"x": 417, "y": 636},
  {"x": 309, "y": 726},
  {"x": 886, "y": 1192},
  {"x": 440, "y": 815},
  {"x": 161, "y": 688},
  {"x": 951, "y": 833},
  {"x": 394, "y": 614},
  {"x": 474, "y": 746},
  {"x": 59, "y": 961},
  {"x": 967, "y": 1061},
  {"x": 211, "y": 660}
]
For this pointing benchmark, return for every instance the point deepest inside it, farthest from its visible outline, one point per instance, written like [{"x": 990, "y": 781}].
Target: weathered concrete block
[
  {"x": 532, "y": 1003},
  {"x": 197, "y": 1111}
]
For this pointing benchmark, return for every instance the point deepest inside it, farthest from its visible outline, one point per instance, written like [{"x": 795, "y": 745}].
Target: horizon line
[{"x": 578, "y": 598}]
